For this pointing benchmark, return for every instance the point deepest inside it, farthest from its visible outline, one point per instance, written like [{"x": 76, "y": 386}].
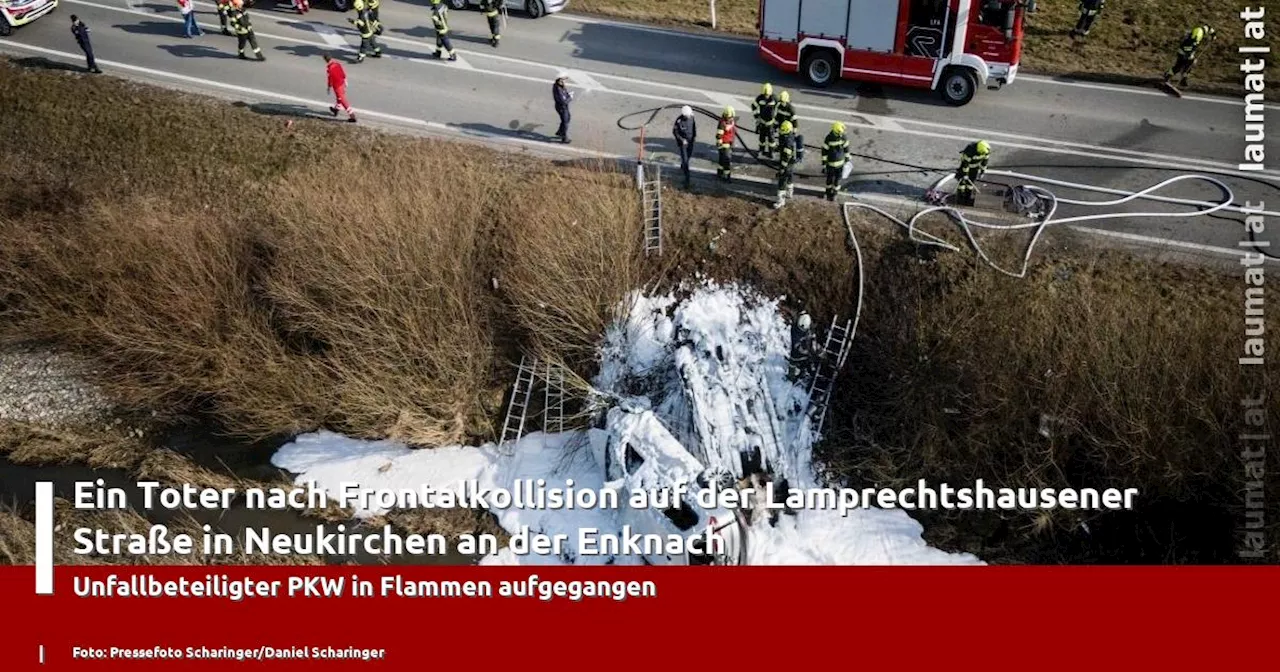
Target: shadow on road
[
  {"x": 284, "y": 110},
  {"x": 417, "y": 32},
  {"x": 166, "y": 28},
  {"x": 515, "y": 129},
  {"x": 313, "y": 51},
  {"x": 194, "y": 51},
  {"x": 42, "y": 63}
]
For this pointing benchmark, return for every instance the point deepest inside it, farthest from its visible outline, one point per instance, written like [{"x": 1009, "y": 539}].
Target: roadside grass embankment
[
  {"x": 330, "y": 276},
  {"x": 1132, "y": 41}
]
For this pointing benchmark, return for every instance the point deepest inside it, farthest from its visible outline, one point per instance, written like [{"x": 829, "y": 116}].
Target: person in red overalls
[
  {"x": 338, "y": 85},
  {"x": 725, "y": 134}
]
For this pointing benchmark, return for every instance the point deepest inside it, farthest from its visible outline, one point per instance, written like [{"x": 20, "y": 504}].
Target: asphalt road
[{"x": 1120, "y": 138}]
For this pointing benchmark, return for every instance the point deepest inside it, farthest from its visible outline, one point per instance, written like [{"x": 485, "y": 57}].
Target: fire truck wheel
[
  {"x": 958, "y": 86},
  {"x": 457, "y": 5},
  {"x": 822, "y": 68}
]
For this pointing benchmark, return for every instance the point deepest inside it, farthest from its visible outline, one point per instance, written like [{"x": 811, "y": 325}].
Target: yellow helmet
[
  {"x": 767, "y": 89},
  {"x": 1197, "y": 33},
  {"x": 786, "y": 128},
  {"x": 983, "y": 147},
  {"x": 728, "y": 112},
  {"x": 838, "y": 127},
  {"x": 785, "y": 96}
]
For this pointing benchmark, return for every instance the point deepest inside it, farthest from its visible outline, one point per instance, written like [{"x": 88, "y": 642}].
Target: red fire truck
[{"x": 951, "y": 46}]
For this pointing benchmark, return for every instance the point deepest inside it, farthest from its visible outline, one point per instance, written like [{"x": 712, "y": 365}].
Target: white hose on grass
[{"x": 967, "y": 224}]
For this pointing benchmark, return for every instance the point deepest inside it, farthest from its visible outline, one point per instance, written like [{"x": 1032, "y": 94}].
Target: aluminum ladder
[
  {"x": 553, "y": 402},
  {"x": 834, "y": 351},
  {"x": 651, "y": 206},
  {"x": 518, "y": 405}
]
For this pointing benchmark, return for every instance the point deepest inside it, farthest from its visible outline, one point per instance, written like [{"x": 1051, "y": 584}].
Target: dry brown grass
[
  {"x": 1132, "y": 41},
  {"x": 280, "y": 300},
  {"x": 300, "y": 307}
]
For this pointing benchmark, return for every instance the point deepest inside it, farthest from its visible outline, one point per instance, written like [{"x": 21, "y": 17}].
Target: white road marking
[
  {"x": 886, "y": 123},
  {"x": 705, "y": 37},
  {"x": 1039, "y": 79},
  {"x": 329, "y": 34},
  {"x": 956, "y": 134},
  {"x": 445, "y": 128},
  {"x": 1164, "y": 242},
  {"x": 1130, "y": 89},
  {"x": 724, "y": 100},
  {"x": 583, "y": 80}
]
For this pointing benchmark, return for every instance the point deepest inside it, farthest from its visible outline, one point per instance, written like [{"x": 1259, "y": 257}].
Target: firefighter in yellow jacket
[
  {"x": 492, "y": 9},
  {"x": 787, "y": 152},
  {"x": 835, "y": 152},
  {"x": 973, "y": 163},
  {"x": 243, "y": 27},
  {"x": 224, "y": 15},
  {"x": 440, "y": 21},
  {"x": 368, "y": 32}
]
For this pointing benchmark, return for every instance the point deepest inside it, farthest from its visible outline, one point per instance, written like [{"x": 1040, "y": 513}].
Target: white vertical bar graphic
[
  {"x": 42, "y": 654},
  {"x": 44, "y": 538}
]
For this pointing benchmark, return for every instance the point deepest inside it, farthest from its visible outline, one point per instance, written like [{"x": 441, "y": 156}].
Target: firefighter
[
  {"x": 368, "y": 33},
  {"x": 785, "y": 111},
  {"x": 224, "y": 13},
  {"x": 973, "y": 163},
  {"x": 243, "y": 26},
  {"x": 725, "y": 134},
  {"x": 803, "y": 346},
  {"x": 440, "y": 21},
  {"x": 786, "y": 163},
  {"x": 835, "y": 151},
  {"x": 491, "y": 9},
  {"x": 765, "y": 110},
  {"x": 1089, "y": 10},
  {"x": 1187, "y": 52},
  {"x": 373, "y": 16},
  {"x": 685, "y": 131}
]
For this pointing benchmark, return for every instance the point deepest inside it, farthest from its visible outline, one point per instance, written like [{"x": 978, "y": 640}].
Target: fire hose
[
  {"x": 1050, "y": 201},
  {"x": 967, "y": 224}
]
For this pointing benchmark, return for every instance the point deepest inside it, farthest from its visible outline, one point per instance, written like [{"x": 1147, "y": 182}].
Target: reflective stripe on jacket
[{"x": 834, "y": 150}]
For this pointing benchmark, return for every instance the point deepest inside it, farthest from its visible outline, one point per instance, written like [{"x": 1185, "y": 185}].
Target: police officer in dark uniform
[{"x": 81, "y": 33}]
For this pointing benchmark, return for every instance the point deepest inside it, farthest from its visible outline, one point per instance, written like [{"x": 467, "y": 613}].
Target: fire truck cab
[{"x": 951, "y": 46}]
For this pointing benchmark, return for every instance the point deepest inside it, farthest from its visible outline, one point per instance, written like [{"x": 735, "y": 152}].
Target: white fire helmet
[
  {"x": 686, "y": 111},
  {"x": 805, "y": 321}
]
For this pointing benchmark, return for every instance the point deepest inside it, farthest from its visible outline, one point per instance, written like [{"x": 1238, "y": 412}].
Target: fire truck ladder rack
[
  {"x": 518, "y": 406},
  {"x": 651, "y": 207},
  {"x": 553, "y": 406},
  {"x": 830, "y": 360}
]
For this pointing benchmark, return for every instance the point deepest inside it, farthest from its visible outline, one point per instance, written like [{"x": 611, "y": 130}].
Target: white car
[
  {"x": 15, "y": 13},
  {"x": 637, "y": 452},
  {"x": 534, "y": 8}
]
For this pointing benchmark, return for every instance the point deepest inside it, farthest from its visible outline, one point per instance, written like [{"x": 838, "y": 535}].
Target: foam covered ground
[{"x": 711, "y": 362}]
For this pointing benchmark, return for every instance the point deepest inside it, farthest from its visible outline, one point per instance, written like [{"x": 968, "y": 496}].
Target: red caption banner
[{"x": 417, "y": 618}]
